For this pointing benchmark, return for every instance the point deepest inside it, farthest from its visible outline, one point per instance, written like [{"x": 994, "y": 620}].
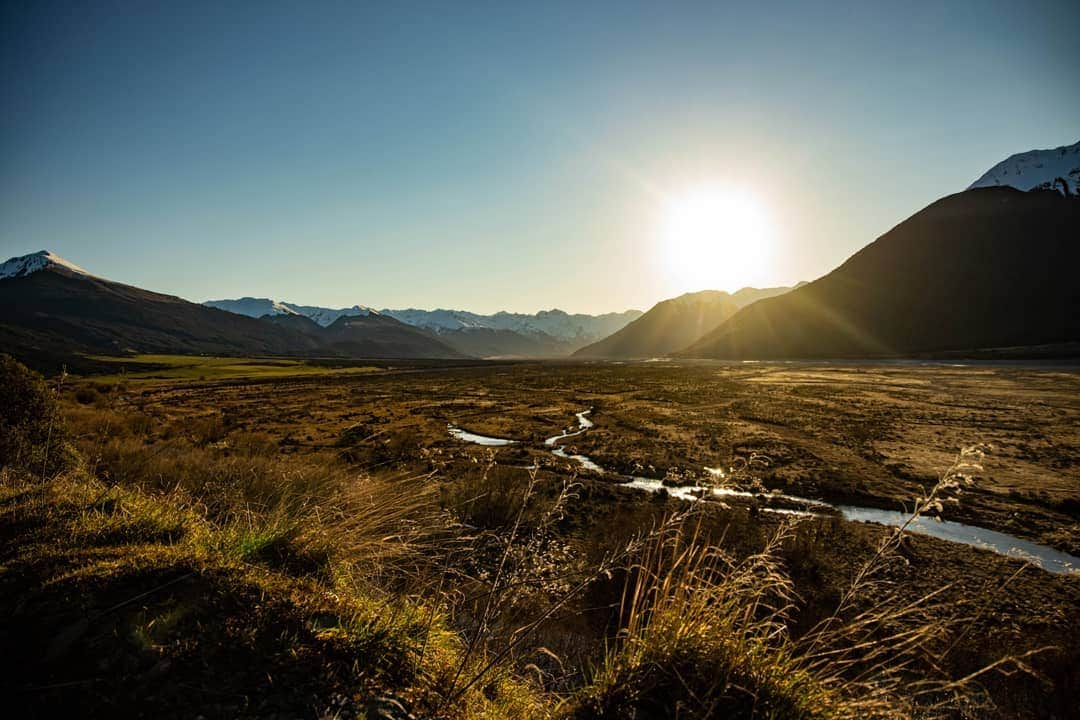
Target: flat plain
[{"x": 873, "y": 435}]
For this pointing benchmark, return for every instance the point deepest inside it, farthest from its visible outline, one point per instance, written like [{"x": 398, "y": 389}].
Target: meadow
[
  {"x": 321, "y": 545},
  {"x": 196, "y": 367}
]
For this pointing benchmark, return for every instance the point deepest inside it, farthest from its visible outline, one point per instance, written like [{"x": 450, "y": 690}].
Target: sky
[{"x": 503, "y": 156}]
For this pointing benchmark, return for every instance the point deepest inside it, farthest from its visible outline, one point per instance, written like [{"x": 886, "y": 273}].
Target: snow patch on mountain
[
  {"x": 260, "y": 307},
  {"x": 327, "y": 316},
  {"x": 252, "y": 307},
  {"x": 1057, "y": 169},
  {"x": 29, "y": 264}
]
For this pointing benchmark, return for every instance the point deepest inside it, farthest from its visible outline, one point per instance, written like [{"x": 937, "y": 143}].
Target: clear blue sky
[{"x": 498, "y": 155}]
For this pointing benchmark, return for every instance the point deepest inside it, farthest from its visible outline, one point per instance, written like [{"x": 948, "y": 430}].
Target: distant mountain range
[
  {"x": 53, "y": 311},
  {"x": 548, "y": 333},
  {"x": 987, "y": 268},
  {"x": 673, "y": 324},
  {"x": 1057, "y": 169},
  {"x": 555, "y": 323},
  {"x": 991, "y": 267}
]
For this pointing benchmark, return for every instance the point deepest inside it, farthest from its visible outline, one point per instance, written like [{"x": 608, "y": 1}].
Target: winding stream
[
  {"x": 464, "y": 435},
  {"x": 1047, "y": 558},
  {"x": 584, "y": 424}
]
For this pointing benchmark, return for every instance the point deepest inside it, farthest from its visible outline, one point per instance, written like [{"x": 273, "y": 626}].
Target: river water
[{"x": 1047, "y": 558}]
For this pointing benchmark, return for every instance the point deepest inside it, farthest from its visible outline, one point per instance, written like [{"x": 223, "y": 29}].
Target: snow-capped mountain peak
[
  {"x": 1057, "y": 169},
  {"x": 29, "y": 264},
  {"x": 259, "y": 307},
  {"x": 327, "y": 316},
  {"x": 252, "y": 306}
]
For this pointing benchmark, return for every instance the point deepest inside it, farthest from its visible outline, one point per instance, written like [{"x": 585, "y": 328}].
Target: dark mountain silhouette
[
  {"x": 371, "y": 336},
  {"x": 296, "y": 323},
  {"x": 989, "y": 267},
  {"x": 52, "y": 312},
  {"x": 667, "y": 326},
  {"x": 381, "y": 336},
  {"x": 673, "y": 324}
]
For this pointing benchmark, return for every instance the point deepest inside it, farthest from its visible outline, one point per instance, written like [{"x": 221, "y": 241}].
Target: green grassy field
[{"x": 194, "y": 367}]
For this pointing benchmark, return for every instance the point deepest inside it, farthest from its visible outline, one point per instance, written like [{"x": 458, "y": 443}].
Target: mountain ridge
[
  {"x": 983, "y": 268},
  {"x": 546, "y": 333},
  {"x": 672, "y": 324},
  {"x": 555, "y": 322},
  {"x": 51, "y": 309}
]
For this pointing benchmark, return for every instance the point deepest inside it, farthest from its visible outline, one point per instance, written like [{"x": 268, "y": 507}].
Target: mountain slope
[
  {"x": 364, "y": 335},
  {"x": 51, "y": 311},
  {"x": 378, "y": 336},
  {"x": 673, "y": 324},
  {"x": 54, "y": 311},
  {"x": 1057, "y": 169},
  {"x": 990, "y": 267}
]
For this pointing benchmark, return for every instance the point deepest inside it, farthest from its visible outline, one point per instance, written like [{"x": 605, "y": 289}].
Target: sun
[{"x": 715, "y": 237}]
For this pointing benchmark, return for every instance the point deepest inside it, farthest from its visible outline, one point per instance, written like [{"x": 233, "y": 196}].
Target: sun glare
[{"x": 715, "y": 237}]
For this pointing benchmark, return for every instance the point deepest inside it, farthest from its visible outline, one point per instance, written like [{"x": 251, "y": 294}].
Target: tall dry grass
[{"x": 705, "y": 635}]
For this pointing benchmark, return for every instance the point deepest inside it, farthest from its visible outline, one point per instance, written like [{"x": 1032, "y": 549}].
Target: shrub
[
  {"x": 381, "y": 451},
  {"x": 32, "y": 438},
  {"x": 254, "y": 444},
  {"x": 87, "y": 396}
]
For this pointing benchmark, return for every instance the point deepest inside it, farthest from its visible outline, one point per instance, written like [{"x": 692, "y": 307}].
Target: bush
[
  {"x": 87, "y": 396},
  {"x": 32, "y": 438}
]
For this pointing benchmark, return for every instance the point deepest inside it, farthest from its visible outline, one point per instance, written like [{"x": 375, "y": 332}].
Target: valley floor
[
  {"x": 215, "y": 528},
  {"x": 873, "y": 434}
]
